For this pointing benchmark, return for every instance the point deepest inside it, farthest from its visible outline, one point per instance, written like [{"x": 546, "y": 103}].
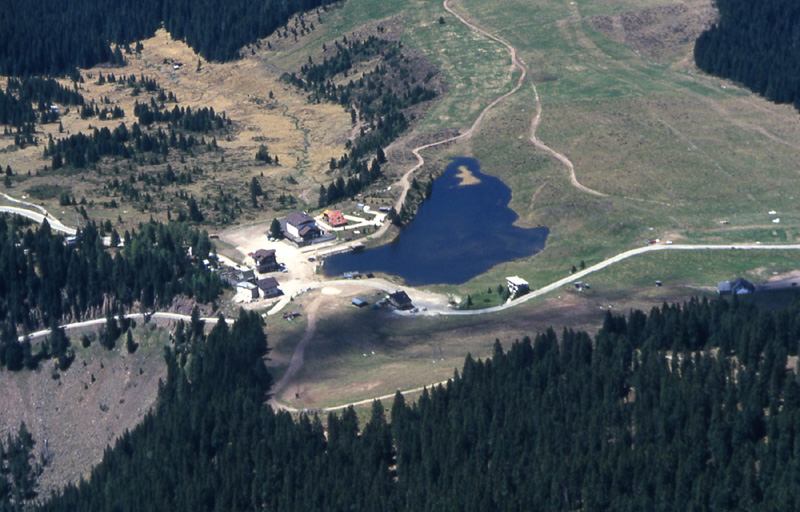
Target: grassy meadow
[{"x": 677, "y": 154}]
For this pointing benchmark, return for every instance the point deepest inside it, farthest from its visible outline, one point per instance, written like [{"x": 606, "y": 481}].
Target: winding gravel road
[
  {"x": 132, "y": 316},
  {"x": 516, "y": 64},
  {"x": 39, "y": 216},
  {"x": 577, "y": 276}
]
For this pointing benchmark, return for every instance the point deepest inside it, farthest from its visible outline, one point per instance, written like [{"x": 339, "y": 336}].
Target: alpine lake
[{"x": 462, "y": 230}]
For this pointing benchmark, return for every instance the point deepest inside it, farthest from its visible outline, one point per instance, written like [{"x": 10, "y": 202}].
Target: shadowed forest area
[
  {"x": 51, "y": 37},
  {"x": 755, "y": 43},
  {"x": 689, "y": 408}
]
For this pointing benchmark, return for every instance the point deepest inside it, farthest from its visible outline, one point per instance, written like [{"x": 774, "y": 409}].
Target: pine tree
[
  {"x": 111, "y": 332},
  {"x": 275, "y": 230},
  {"x": 130, "y": 345},
  {"x": 255, "y": 191},
  {"x": 18, "y": 471},
  {"x": 194, "y": 211}
]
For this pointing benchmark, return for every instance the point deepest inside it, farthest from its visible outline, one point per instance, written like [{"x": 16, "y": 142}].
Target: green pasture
[
  {"x": 477, "y": 69},
  {"x": 675, "y": 153}
]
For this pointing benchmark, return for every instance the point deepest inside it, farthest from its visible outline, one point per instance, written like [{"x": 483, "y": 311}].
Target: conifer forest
[{"x": 692, "y": 407}]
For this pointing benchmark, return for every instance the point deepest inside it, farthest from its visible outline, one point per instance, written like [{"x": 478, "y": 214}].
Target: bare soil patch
[
  {"x": 75, "y": 416},
  {"x": 662, "y": 34},
  {"x": 466, "y": 177}
]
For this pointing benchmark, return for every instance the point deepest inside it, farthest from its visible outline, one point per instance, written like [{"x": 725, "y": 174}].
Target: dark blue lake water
[{"x": 460, "y": 232}]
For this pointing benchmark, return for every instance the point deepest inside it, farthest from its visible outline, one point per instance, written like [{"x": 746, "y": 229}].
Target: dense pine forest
[
  {"x": 45, "y": 281},
  {"x": 18, "y": 471},
  {"x": 685, "y": 408},
  {"x": 755, "y": 43},
  {"x": 53, "y": 37}
]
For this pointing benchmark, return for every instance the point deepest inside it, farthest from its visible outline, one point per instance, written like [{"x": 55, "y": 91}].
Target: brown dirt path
[
  {"x": 516, "y": 64},
  {"x": 297, "y": 358}
]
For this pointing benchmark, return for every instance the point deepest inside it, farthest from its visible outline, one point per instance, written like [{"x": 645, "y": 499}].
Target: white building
[
  {"x": 247, "y": 291},
  {"x": 517, "y": 285},
  {"x": 301, "y": 226}
]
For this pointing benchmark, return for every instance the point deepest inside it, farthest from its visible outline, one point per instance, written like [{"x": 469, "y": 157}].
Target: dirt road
[
  {"x": 132, "y": 316},
  {"x": 516, "y": 64},
  {"x": 577, "y": 276},
  {"x": 297, "y": 358}
]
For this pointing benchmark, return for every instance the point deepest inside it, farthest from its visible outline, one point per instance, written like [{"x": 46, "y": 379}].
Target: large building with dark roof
[
  {"x": 301, "y": 228},
  {"x": 265, "y": 260}
]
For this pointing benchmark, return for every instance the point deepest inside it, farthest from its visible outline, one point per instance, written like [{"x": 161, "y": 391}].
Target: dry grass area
[
  {"x": 357, "y": 354},
  {"x": 304, "y": 137},
  {"x": 265, "y": 111}
]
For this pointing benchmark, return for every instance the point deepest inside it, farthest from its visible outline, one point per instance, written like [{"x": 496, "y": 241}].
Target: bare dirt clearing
[
  {"x": 354, "y": 354},
  {"x": 91, "y": 404},
  {"x": 662, "y": 34}
]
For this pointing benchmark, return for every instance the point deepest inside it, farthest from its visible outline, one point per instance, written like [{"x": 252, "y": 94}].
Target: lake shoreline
[{"x": 464, "y": 229}]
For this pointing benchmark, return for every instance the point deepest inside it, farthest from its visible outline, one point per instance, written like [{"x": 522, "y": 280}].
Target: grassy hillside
[
  {"x": 476, "y": 68},
  {"x": 678, "y": 154}
]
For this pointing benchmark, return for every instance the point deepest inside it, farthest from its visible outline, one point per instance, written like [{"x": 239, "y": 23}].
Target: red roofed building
[{"x": 335, "y": 218}]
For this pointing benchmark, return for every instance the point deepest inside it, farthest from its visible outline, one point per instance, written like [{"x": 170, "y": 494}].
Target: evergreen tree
[
  {"x": 275, "y": 230},
  {"x": 255, "y": 191},
  {"x": 748, "y": 45},
  {"x": 130, "y": 345},
  {"x": 195, "y": 215},
  {"x": 18, "y": 471}
]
